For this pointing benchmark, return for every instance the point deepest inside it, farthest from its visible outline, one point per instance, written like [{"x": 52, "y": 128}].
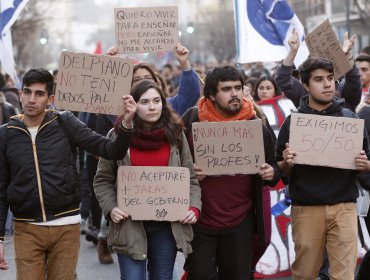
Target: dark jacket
[
  {"x": 12, "y": 96},
  {"x": 6, "y": 110},
  {"x": 350, "y": 88},
  {"x": 318, "y": 185},
  {"x": 192, "y": 116},
  {"x": 40, "y": 181}
]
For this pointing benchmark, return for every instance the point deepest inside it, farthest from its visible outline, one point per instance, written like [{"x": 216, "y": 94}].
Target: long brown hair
[{"x": 169, "y": 119}]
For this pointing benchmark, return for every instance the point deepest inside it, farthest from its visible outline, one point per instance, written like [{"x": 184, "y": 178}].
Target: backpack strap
[{"x": 347, "y": 113}]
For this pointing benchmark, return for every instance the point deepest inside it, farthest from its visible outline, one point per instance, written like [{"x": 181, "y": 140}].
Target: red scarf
[
  {"x": 148, "y": 140},
  {"x": 208, "y": 111}
]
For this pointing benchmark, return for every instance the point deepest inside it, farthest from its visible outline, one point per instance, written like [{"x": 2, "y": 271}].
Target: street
[{"x": 88, "y": 266}]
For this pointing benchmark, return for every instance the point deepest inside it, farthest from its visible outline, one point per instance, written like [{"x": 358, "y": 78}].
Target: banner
[
  {"x": 9, "y": 11},
  {"x": 92, "y": 83},
  {"x": 263, "y": 29}
]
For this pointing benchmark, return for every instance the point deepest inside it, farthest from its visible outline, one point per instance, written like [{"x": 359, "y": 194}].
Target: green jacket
[{"x": 129, "y": 237}]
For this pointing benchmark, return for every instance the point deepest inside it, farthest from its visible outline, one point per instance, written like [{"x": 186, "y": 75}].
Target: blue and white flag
[
  {"x": 9, "y": 11},
  {"x": 263, "y": 28}
]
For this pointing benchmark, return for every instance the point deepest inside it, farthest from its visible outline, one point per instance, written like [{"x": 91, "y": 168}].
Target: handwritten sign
[
  {"x": 228, "y": 148},
  {"x": 326, "y": 141},
  {"x": 153, "y": 193},
  {"x": 148, "y": 29},
  {"x": 92, "y": 83},
  {"x": 322, "y": 42}
]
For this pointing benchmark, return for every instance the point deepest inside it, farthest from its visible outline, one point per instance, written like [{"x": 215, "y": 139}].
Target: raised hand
[
  {"x": 348, "y": 43},
  {"x": 129, "y": 110},
  {"x": 113, "y": 50},
  {"x": 294, "y": 40},
  {"x": 182, "y": 56}
]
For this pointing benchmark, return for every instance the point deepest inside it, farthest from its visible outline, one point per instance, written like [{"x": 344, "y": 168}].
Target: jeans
[{"x": 161, "y": 255}]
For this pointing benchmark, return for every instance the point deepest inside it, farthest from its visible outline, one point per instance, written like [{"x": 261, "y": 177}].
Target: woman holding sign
[
  {"x": 189, "y": 87},
  {"x": 157, "y": 140}
]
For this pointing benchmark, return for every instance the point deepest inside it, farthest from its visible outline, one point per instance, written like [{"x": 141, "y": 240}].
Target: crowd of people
[{"x": 58, "y": 171}]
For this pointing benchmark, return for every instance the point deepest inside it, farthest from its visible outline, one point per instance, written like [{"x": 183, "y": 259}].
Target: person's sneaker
[
  {"x": 92, "y": 235},
  {"x": 105, "y": 257},
  {"x": 83, "y": 226}
]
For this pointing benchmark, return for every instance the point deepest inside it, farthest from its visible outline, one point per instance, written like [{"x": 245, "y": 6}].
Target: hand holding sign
[
  {"x": 288, "y": 155},
  {"x": 267, "y": 172},
  {"x": 199, "y": 172},
  {"x": 113, "y": 50},
  {"x": 129, "y": 110},
  {"x": 362, "y": 163}
]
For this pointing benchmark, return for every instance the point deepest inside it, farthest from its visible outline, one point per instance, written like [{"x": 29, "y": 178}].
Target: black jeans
[{"x": 221, "y": 254}]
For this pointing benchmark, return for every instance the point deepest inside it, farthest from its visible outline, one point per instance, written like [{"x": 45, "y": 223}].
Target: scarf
[
  {"x": 208, "y": 111},
  {"x": 148, "y": 140}
]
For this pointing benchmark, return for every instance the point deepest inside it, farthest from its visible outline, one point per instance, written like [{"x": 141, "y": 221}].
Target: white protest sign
[
  {"x": 228, "y": 148},
  {"x": 326, "y": 141},
  {"x": 146, "y": 29},
  {"x": 92, "y": 83},
  {"x": 154, "y": 193}
]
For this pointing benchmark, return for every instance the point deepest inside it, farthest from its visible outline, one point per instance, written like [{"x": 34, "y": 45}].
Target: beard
[{"x": 229, "y": 110}]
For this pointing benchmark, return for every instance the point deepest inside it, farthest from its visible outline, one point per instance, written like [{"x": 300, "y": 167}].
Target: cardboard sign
[
  {"x": 326, "y": 141},
  {"x": 322, "y": 42},
  {"x": 149, "y": 29},
  {"x": 228, "y": 148},
  {"x": 154, "y": 193},
  {"x": 92, "y": 83}
]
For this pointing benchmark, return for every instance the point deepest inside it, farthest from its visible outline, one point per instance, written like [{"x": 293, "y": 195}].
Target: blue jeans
[{"x": 161, "y": 255}]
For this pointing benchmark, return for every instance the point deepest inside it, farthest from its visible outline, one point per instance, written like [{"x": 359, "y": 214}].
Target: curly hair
[
  {"x": 220, "y": 74},
  {"x": 169, "y": 119}
]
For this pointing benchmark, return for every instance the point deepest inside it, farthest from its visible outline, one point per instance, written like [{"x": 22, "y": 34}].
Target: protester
[
  {"x": 363, "y": 64},
  {"x": 365, "y": 50},
  {"x": 6, "y": 109},
  {"x": 349, "y": 88},
  {"x": 232, "y": 205},
  {"x": 188, "y": 94},
  {"x": 39, "y": 179},
  {"x": 265, "y": 88},
  {"x": 189, "y": 88},
  {"x": 250, "y": 83},
  {"x": 323, "y": 198},
  {"x": 11, "y": 93},
  {"x": 157, "y": 140},
  {"x": 364, "y": 113}
]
